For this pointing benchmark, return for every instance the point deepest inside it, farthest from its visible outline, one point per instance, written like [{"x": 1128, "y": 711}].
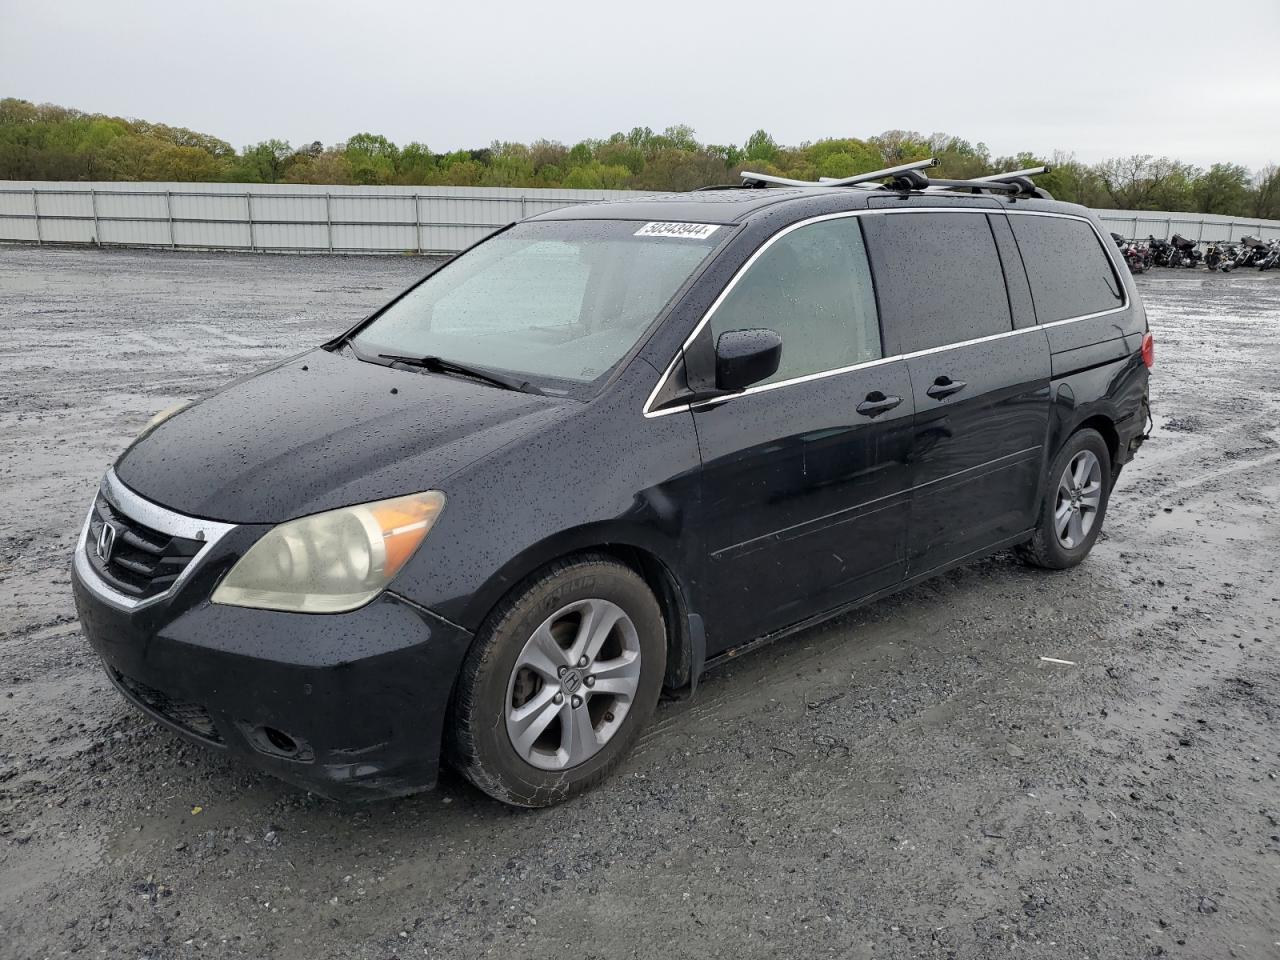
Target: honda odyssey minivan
[{"x": 597, "y": 452}]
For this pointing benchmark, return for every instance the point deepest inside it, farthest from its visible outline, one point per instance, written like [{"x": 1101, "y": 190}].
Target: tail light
[{"x": 1148, "y": 350}]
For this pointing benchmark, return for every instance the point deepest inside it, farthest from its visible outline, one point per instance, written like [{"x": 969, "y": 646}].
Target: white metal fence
[
  {"x": 341, "y": 219},
  {"x": 270, "y": 217},
  {"x": 1141, "y": 224}
]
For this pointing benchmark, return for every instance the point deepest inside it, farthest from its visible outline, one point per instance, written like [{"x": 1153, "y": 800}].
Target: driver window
[{"x": 813, "y": 287}]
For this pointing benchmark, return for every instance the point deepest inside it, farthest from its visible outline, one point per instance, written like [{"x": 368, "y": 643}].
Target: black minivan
[{"x": 598, "y": 451}]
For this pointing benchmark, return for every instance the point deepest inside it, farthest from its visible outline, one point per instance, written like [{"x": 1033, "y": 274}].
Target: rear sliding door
[{"x": 980, "y": 383}]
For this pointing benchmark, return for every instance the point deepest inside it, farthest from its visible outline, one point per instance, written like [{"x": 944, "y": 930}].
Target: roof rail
[
  {"x": 753, "y": 179},
  {"x": 910, "y": 176}
]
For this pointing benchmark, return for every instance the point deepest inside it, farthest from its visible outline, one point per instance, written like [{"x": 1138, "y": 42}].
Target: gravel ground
[{"x": 909, "y": 781}]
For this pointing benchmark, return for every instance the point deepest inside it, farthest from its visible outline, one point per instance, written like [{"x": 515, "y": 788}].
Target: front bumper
[{"x": 347, "y": 705}]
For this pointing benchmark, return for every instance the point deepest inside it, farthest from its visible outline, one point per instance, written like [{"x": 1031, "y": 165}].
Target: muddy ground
[{"x": 910, "y": 781}]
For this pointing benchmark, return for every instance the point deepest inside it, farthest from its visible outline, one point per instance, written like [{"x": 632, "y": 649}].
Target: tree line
[{"x": 49, "y": 142}]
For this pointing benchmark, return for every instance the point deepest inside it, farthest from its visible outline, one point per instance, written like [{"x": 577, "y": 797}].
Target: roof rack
[
  {"x": 910, "y": 176},
  {"x": 760, "y": 179}
]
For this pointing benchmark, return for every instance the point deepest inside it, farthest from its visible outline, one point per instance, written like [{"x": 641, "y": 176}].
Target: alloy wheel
[
  {"x": 572, "y": 684},
  {"x": 1078, "y": 499}
]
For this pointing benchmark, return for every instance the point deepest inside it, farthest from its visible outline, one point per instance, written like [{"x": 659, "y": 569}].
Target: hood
[{"x": 324, "y": 431}]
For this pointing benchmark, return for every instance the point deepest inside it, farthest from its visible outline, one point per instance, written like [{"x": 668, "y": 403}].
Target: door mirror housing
[{"x": 745, "y": 357}]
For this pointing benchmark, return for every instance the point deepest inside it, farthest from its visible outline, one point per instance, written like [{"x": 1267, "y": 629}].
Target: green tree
[
  {"x": 839, "y": 158},
  {"x": 262, "y": 162},
  {"x": 1223, "y": 189},
  {"x": 1143, "y": 182},
  {"x": 760, "y": 146},
  {"x": 1266, "y": 194},
  {"x": 329, "y": 167},
  {"x": 901, "y": 146},
  {"x": 372, "y": 158},
  {"x": 415, "y": 165}
]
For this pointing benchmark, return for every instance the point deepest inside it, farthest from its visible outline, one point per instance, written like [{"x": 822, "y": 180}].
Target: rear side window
[
  {"x": 813, "y": 287},
  {"x": 939, "y": 279},
  {"x": 1070, "y": 274}
]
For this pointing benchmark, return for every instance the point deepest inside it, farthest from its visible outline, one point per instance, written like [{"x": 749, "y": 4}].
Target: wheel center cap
[{"x": 571, "y": 682}]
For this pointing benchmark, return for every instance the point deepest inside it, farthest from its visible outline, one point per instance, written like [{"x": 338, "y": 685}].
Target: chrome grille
[{"x": 132, "y": 558}]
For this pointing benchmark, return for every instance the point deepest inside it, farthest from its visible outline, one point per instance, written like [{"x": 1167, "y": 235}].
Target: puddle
[{"x": 1196, "y": 528}]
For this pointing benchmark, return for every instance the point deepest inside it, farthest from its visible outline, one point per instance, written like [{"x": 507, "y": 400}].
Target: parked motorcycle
[
  {"x": 1134, "y": 256},
  {"x": 1255, "y": 251},
  {"x": 1162, "y": 252},
  {"x": 1271, "y": 258},
  {"x": 1186, "y": 253},
  {"x": 1214, "y": 255}
]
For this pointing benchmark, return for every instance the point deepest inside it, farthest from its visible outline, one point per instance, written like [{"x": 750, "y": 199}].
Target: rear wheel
[
  {"x": 1074, "y": 505},
  {"x": 559, "y": 683}
]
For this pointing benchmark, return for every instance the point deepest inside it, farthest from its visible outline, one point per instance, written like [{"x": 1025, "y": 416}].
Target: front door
[{"x": 805, "y": 477}]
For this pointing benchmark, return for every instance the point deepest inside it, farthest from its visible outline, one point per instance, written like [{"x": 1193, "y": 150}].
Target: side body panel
[
  {"x": 805, "y": 502},
  {"x": 1097, "y": 369}
]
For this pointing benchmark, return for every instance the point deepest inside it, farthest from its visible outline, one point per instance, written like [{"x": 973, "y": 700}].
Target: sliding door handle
[
  {"x": 877, "y": 403},
  {"x": 944, "y": 386}
]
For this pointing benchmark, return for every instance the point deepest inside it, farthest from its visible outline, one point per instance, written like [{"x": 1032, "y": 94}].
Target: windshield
[{"x": 560, "y": 300}]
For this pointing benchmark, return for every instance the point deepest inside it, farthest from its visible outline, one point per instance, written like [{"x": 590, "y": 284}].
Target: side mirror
[{"x": 744, "y": 357}]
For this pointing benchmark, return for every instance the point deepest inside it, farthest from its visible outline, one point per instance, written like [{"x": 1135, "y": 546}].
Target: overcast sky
[{"x": 1193, "y": 80}]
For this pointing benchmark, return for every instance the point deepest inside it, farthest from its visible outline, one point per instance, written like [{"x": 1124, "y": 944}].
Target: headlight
[{"x": 334, "y": 561}]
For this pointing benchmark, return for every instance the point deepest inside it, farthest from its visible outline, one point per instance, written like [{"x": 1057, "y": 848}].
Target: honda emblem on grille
[{"x": 106, "y": 542}]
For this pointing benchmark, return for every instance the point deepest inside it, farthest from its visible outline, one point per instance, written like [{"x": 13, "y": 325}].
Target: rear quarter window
[
  {"x": 938, "y": 278},
  {"x": 1070, "y": 273}
]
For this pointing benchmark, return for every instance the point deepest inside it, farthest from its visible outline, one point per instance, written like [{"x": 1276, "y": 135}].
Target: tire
[
  {"x": 572, "y": 732},
  {"x": 1047, "y": 547}
]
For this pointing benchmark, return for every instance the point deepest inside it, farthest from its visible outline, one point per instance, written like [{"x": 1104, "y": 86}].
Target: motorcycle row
[{"x": 1178, "y": 251}]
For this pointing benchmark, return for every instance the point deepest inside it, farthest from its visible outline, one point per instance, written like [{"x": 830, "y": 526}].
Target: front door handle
[
  {"x": 944, "y": 386},
  {"x": 877, "y": 403}
]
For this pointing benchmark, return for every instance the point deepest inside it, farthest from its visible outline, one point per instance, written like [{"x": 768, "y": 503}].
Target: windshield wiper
[{"x": 440, "y": 365}]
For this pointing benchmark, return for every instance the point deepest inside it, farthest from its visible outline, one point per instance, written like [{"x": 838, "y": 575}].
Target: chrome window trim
[
  {"x": 150, "y": 515},
  {"x": 649, "y": 413}
]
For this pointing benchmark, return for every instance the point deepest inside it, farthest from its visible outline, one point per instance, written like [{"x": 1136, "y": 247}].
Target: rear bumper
[
  {"x": 1133, "y": 432},
  {"x": 347, "y": 705}
]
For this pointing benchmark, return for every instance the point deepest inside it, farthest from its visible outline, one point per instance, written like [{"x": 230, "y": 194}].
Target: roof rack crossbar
[
  {"x": 748, "y": 177},
  {"x": 1029, "y": 172},
  {"x": 994, "y": 186}
]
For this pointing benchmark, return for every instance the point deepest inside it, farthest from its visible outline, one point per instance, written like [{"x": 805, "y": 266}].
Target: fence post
[
  {"x": 248, "y": 203},
  {"x": 328, "y": 219},
  {"x": 35, "y": 208},
  {"x": 417, "y": 222},
  {"x": 522, "y": 213},
  {"x": 168, "y": 209},
  {"x": 93, "y": 205}
]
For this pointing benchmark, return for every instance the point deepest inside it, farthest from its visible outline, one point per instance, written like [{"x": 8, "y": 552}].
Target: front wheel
[
  {"x": 1074, "y": 505},
  {"x": 560, "y": 680}
]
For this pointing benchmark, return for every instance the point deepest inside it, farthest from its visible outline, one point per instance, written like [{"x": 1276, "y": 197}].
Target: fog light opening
[{"x": 283, "y": 743}]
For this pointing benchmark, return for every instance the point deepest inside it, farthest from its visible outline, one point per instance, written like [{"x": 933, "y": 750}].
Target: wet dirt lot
[{"x": 910, "y": 781}]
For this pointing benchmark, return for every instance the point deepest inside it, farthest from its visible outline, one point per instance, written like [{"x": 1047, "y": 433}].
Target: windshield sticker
[{"x": 690, "y": 231}]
